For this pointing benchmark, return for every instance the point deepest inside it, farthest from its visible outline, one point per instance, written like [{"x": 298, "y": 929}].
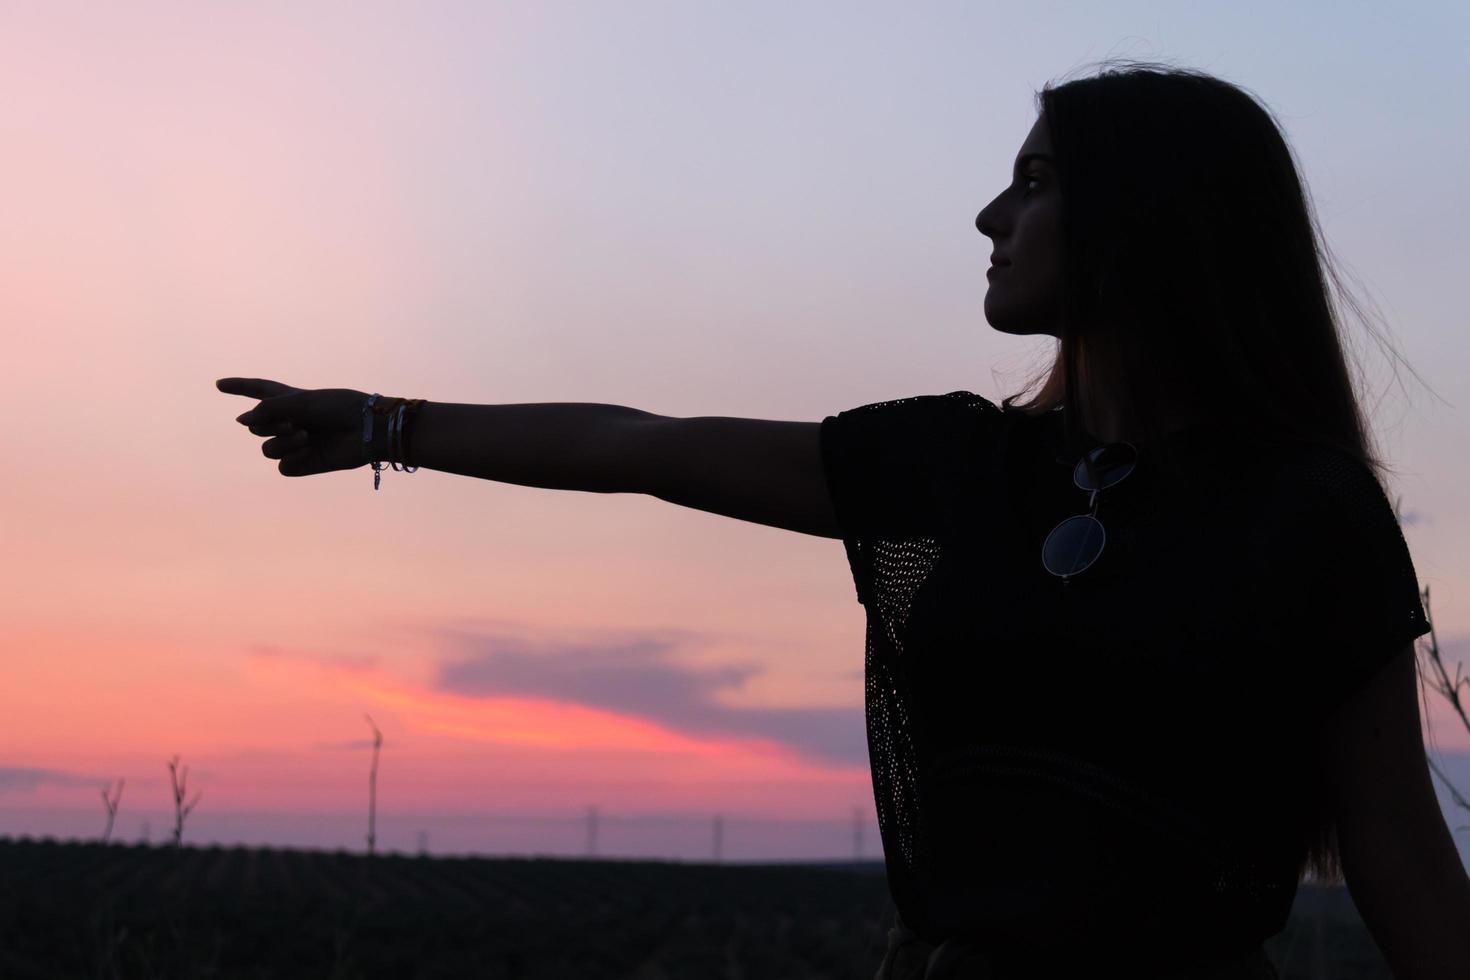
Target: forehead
[{"x": 1038, "y": 140}]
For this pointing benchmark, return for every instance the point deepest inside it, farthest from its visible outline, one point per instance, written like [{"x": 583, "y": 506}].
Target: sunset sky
[{"x": 758, "y": 209}]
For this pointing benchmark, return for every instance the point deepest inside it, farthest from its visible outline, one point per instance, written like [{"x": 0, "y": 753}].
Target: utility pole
[
  {"x": 719, "y": 836},
  {"x": 857, "y": 833},
  {"x": 592, "y": 831}
]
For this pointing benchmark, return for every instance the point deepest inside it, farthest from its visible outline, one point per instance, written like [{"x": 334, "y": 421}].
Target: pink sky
[{"x": 688, "y": 211}]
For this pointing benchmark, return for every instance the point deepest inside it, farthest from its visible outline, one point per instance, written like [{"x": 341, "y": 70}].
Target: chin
[
  {"x": 1020, "y": 329},
  {"x": 1019, "y": 322}
]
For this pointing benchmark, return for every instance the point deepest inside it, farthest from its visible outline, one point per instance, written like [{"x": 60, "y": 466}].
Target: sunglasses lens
[
  {"x": 1104, "y": 466},
  {"x": 1073, "y": 545}
]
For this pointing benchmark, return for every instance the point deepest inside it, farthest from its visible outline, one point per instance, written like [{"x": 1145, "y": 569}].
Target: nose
[{"x": 984, "y": 225}]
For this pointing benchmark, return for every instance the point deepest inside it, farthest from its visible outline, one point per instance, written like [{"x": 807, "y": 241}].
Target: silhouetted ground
[{"x": 135, "y": 911}]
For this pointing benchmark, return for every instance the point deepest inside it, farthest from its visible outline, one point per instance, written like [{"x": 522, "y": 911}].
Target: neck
[{"x": 1106, "y": 426}]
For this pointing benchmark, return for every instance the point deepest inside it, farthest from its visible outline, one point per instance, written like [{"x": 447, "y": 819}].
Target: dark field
[{"x": 90, "y": 910}]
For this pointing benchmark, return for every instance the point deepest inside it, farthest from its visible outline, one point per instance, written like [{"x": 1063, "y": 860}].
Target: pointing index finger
[{"x": 252, "y": 387}]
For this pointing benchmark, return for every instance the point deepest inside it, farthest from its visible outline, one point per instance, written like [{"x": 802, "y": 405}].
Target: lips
[{"x": 999, "y": 260}]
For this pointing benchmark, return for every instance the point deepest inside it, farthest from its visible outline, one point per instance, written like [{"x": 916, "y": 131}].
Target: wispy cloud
[
  {"x": 20, "y": 778},
  {"x": 349, "y": 746},
  {"x": 639, "y": 677},
  {"x": 345, "y": 661}
]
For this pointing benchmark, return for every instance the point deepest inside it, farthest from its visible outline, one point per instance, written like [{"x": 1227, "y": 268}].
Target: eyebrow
[{"x": 1028, "y": 157}]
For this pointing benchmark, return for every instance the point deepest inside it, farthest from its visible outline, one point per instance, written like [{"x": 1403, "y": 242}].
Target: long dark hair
[{"x": 1195, "y": 277}]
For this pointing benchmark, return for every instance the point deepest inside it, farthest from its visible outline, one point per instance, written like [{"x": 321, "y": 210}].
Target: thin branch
[
  {"x": 110, "y": 802},
  {"x": 373, "y": 786},
  {"x": 180, "y": 809},
  {"x": 1441, "y": 684}
]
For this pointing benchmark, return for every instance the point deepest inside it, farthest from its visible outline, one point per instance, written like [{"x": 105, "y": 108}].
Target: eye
[{"x": 1027, "y": 192}]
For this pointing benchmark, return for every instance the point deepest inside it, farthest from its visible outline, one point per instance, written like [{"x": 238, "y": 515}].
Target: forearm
[
  {"x": 1414, "y": 898},
  {"x": 556, "y": 445}
]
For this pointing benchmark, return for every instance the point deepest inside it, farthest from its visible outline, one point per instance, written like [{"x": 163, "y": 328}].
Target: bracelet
[
  {"x": 398, "y": 412},
  {"x": 407, "y": 410},
  {"x": 367, "y": 437}
]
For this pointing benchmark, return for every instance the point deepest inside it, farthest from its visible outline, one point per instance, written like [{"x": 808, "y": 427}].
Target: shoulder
[
  {"x": 1314, "y": 478},
  {"x": 1332, "y": 505},
  {"x": 919, "y": 418},
  {"x": 953, "y": 404},
  {"x": 900, "y": 467}
]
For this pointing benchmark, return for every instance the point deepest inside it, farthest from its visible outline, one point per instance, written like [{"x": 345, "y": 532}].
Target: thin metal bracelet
[
  {"x": 389, "y": 458},
  {"x": 402, "y": 457},
  {"x": 409, "y": 407},
  {"x": 395, "y": 438}
]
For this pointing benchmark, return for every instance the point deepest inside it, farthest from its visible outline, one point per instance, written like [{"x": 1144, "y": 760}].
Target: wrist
[
  {"x": 378, "y": 447},
  {"x": 375, "y": 424},
  {"x": 393, "y": 422}
]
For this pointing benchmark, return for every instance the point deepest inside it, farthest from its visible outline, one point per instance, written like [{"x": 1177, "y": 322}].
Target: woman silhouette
[{"x": 1140, "y": 650}]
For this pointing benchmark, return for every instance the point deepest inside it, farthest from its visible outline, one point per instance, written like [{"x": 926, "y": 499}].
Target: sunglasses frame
[{"x": 1080, "y": 472}]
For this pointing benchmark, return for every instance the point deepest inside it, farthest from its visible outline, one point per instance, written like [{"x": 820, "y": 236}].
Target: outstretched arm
[{"x": 765, "y": 472}]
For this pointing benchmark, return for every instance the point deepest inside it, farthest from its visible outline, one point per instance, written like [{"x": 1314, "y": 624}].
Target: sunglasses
[{"x": 1075, "y": 544}]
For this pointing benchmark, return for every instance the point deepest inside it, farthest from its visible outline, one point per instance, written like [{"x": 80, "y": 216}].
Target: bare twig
[
  {"x": 111, "y": 803},
  {"x": 373, "y": 786},
  {"x": 1441, "y": 683},
  {"x": 180, "y": 810}
]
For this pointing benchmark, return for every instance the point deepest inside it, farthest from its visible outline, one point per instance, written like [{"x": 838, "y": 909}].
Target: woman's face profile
[{"x": 1023, "y": 224}]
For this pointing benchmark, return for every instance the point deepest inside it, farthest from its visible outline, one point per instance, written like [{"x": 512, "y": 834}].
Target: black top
[{"x": 1122, "y": 760}]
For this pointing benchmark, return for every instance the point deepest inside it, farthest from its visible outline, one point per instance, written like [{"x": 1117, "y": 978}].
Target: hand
[{"x": 313, "y": 430}]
